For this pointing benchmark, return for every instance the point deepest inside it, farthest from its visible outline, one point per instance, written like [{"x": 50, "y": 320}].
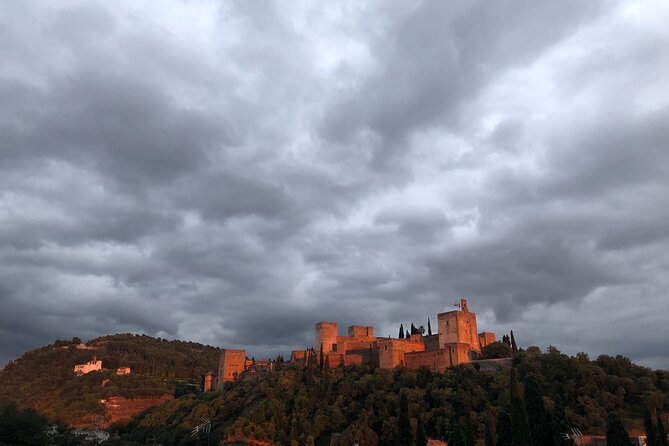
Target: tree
[
  {"x": 372, "y": 362},
  {"x": 490, "y": 431},
  {"x": 496, "y": 350},
  {"x": 514, "y": 347},
  {"x": 616, "y": 434},
  {"x": 649, "y": 427},
  {"x": 520, "y": 427},
  {"x": 320, "y": 359},
  {"x": 457, "y": 437},
  {"x": 421, "y": 436},
  {"x": 429, "y": 327},
  {"x": 539, "y": 418},
  {"x": 21, "y": 427},
  {"x": 503, "y": 429},
  {"x": 559, "y": 422},
  {"x": 469, "y": 430},
  {"x": 311, "y": 366},
  {"x": 661, "y": 433},
  {"x": 401, "y": 336},
  {"x": 404, "y": 434}
]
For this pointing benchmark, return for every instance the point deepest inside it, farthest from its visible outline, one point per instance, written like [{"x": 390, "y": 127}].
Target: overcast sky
[{"x": 232, "y": 172}]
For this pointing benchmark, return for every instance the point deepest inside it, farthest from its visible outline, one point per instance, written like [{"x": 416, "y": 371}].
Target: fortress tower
[
  {"x": 326, "y": 334},
  {"x": 458, "y": 326},
  {"x": 209, "y": 382},
  {"x": 231, "y": 365}
]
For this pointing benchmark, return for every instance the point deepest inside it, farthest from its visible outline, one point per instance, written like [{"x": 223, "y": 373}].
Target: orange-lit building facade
[
  {"x": 233, "y": 365},
  {"x": 93, "y": 365},
  {"x": 456, "y": 342}
]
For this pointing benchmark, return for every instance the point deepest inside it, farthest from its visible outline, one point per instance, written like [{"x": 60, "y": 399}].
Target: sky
[{"x": 232, "y": 172}]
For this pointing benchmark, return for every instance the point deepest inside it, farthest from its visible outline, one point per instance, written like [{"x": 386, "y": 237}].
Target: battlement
[{"x": 358, "y": 331}]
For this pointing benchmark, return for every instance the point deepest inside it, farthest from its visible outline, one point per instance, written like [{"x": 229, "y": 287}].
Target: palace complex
[{"x": 457, "y": 341}]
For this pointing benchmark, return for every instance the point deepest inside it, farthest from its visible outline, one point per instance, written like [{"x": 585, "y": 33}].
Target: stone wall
[
  {"x": 486, "y": 338},
  {"x": 359, "y": 331},
  {"x": 392, "y": 351}
]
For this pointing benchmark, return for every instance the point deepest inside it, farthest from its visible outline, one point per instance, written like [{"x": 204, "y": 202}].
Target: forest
[{"x": 529, "y": 404}]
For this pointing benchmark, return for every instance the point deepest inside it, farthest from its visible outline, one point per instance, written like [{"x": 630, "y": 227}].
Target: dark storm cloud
[
  {"x": 434, "y": 59},
  {"x": 233, "y": 173}
]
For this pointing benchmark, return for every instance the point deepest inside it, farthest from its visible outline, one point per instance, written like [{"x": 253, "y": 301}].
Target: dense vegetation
[
  {"x": 18, "y": 427},
  {"x": 44, "y": 378},
  {"x": 528, "y": 405}
]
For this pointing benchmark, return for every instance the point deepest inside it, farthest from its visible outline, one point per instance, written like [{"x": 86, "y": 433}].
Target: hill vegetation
[
  {"x": 541, "y": 396},
  {"x": 44, "y": 380}
]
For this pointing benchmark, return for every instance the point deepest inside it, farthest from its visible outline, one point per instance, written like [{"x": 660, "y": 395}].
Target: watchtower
[
  {"x": 458, "y": 326},
  {"x": 209, "y": 380},
  {"x": 326, "y": 335},
  {"x": 231, "y": 365}
]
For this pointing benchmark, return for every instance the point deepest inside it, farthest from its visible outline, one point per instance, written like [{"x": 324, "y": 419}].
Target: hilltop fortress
[{"x": 456, "y": 342}]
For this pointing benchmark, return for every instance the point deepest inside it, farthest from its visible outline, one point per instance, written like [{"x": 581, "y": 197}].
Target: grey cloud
[
  {"x": 439, "y": 56},
  {"x": 233, "y": 174}
]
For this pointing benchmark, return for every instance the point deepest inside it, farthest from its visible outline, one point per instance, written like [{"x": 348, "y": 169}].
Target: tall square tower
[
  {"x": 458, "y": 326},
  {"x": 326, "y": 334},
  {"x": 231, "y": 365}
]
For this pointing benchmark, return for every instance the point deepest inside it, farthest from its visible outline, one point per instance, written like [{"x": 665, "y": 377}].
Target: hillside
[
  {"x": 357, "y": 404},
  {"x": 44, "y": 378}
]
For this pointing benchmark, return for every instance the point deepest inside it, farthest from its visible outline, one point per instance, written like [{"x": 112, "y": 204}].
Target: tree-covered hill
[
  {"x": 388, "y": 407},
  {"x": 44, "y": 378}
]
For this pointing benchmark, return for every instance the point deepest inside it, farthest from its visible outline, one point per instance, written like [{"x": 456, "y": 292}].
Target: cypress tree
[
  {"x": 457, "y": 437},
  {"x": 661, "y": 433},
  {"x": 404, "y": 434},
  {"x": 559, "y": 423},
  {"x": 616, "y": 434},
  {"x": 413, "y": 329},
  {"x": 538, "y": 417},
  {"x": 514, "y": 347},
  {"x": 649, "y": 427},
  {"x": 372, "y": 362},
  {"x": 469, "y": 430},
  {"x": 421, "y": 436},
  {"x": 429, "y": 327},
  {"x": 520, "y": 427},
  {"x": 503, "y": 429},
  {"x": 401, "y": 331},
  {"x": 310, "y": 366},
  {"x": 320, "y": 359},
  {"x": 490, "y": 431}
]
